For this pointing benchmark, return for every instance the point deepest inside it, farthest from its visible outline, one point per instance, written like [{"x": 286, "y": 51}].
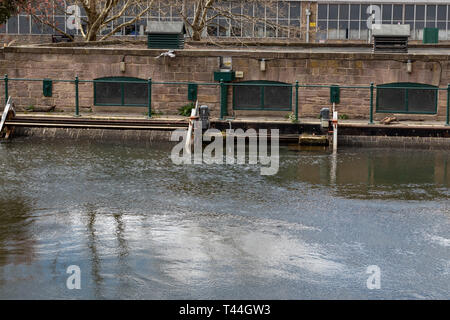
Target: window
[
  {"x": 344, "y": 21},
  {"x": 130, "y": 92},
  {"x": 407, "y": 97},
  {"x": 262, "y": 97}
]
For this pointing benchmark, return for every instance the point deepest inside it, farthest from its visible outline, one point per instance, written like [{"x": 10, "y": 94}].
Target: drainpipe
[{"x": 308, "y": 14}]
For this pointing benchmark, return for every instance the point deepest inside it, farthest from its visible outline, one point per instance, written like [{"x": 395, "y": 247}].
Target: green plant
[
  {"x": 186, "y": 109},
  {"x": 343, "y": 116},
  {"x": 291, "y": 116},
  {"x": 156, "y": 113},
  {"x": 29, "y": 108}
]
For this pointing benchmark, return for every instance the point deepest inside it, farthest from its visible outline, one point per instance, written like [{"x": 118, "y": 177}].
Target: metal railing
[{"x": 224, "y": 92}]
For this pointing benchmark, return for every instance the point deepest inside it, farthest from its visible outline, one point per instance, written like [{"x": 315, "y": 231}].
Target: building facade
[{"x": 323, "y": 21}]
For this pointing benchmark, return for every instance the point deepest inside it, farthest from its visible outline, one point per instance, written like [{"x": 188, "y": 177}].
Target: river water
[{"x": 139, "y": 226}]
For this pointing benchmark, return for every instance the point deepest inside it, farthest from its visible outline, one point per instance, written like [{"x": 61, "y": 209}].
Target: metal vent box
[{"x": 165, "y": 35}]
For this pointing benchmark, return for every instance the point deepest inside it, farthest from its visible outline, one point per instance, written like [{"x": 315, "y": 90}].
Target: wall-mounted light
[
  {"x": 226, "y": 63},
  {"x": 122, "y": 65},
  {"x": 409, "y": 66},
  {"x": 262, "y": 64}
]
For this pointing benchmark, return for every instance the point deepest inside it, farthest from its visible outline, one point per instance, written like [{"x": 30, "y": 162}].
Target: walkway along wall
[{"x": 198, "y": 65}]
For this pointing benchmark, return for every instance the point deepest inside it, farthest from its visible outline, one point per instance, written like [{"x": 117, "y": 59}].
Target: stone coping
[{"x": 430, "y": 54}]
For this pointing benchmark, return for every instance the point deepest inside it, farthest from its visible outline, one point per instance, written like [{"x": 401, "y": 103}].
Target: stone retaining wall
[
  {"x": 198, "y": 65},
  {"x": 429, "y": 143}
]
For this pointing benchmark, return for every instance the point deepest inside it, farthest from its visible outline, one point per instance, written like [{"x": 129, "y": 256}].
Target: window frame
[
  {"x": 261, "y": 101},
  {"x": 406, "y": 85},
  {"x": 122, "y": 91}
]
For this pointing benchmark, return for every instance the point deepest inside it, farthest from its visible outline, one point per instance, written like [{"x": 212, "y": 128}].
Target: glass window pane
[
  {"x": 354, "y": 12},
  {"x": 343, "y": 25},
  {"x": 387, "y": 13},
  {"x": 322, "y": 12},
  {"x": 224, "y": 26},
  {"x": 354, "y": 25},
  {"x": 333, "y": 11},
  {"x": 431, "y": 12},
  {"x": 283, "y": 10},
  {"x": 364, "y": 14},
  {"x": 294, "y": 11},
  {"x": 271, "y": 10},
  {"x": 13, "y": 26},
  {"x": 259, "y": 30},
  {"x": 420, "y": 12},
  {"x": 24, "y": 25},
  {"x": 36, "y": 27},
  {"x": 398, "y": 14},
  {"x": 322, "y": 25},
  {"x": 247, "y": 9},
  {"x": 343, "y": 11},
  {"x": 247, "y": 29},
  {"x": 363, "y": 25},
  {"x": 60, "y": 22},
  {"x": 409, "y": 12},
  {"x": 442, "y": 13},
  {"x": 260, "y": 10},
  {"x": 236, "y": 8}
]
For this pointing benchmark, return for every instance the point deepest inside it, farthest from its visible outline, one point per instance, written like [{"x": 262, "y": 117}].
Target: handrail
[{"x": 224, "y": 86}]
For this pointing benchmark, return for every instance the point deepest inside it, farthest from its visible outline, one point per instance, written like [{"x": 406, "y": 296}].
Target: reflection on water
[
  {"x": 16, "y": 237},
  {"x": 140, "y": 227}
]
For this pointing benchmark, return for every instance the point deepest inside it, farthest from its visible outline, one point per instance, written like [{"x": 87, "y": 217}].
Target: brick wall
[{"x": 198, "y": 65}]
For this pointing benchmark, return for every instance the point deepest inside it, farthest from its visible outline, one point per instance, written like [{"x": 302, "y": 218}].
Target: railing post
[
  {"x": 296, "y": 100},
  {"x": 371, "y": 103},
  {"x": 447, "y": 121},
  {"x": 149, "y": 92},
  {"x": 223, "y": 100},
  {"x": 6, "y": 88},
  {"x": 77, "y": 100}
]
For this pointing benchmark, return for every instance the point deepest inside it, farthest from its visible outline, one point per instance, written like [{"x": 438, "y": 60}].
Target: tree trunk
[
  {"x": 196, "y": 34},
  {"x": 92, "y": 34}
]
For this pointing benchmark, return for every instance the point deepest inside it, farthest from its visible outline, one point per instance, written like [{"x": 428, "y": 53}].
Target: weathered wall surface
[{"x": 198, "y": 65}]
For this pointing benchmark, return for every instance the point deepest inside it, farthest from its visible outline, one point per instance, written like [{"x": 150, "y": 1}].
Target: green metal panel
[
  {"x": 371, "y": 103},
  {"x": 47, "y": 87},
  {"x": 225, "y": 76},
  {"x": 122, "y": 91},
  {"x": 192, "y": 91},
  {"x": 223, "y": 100},
  {"x": 77, "y": 97},
  {"x": 430, "y": 35},
  {"x": 260, "y": 105},
  {"x": 334, "y": 94},
  {"x": 407, "y": 87},
  {"x": 165, "y": 41}
]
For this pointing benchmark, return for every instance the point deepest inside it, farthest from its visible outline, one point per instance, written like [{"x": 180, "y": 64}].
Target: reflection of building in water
[
  {"x": 328, "y": 20},
  {"x": 16, "y": 239},
  {"x": 373, "y": 173}
]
